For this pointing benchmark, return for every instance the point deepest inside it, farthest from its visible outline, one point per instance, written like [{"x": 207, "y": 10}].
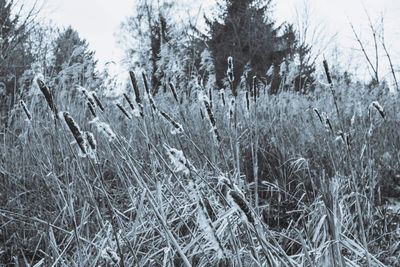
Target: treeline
[
  {"x": 244, "y": 30},
  {"x": 32, "y": 49},
  {"x": 168, "y": 48}
]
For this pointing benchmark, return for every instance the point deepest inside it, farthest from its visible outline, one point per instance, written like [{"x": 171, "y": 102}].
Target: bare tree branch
[
  {"x": 382, "y": 41},
  {"x": 375, "y": 71}
]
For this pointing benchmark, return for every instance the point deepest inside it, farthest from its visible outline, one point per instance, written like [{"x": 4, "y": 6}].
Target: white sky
[{"x": 98, "y": 20}]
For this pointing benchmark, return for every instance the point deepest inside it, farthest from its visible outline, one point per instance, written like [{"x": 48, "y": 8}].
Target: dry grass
[{"x": 166, "y": 191}]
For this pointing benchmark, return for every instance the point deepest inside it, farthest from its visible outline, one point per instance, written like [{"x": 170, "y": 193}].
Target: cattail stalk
[
  {"x": 254, "y": 143},
  {"x": 233, "y": 114},
  {"x": 353, "y": 175},
  {"x": 329, "y": 78}
]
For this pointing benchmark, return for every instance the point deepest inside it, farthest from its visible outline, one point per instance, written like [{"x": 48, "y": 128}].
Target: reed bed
[{"x": 268, "y": 180}]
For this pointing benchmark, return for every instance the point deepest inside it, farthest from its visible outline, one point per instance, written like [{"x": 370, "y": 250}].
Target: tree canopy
[{"x": 14, "y": 55}]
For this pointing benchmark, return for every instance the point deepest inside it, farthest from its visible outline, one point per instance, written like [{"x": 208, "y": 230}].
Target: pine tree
[
  {"x": 14, "y": 57},
  {"x": 74, "y": 63},
  {"x": 246, "y": 32}
]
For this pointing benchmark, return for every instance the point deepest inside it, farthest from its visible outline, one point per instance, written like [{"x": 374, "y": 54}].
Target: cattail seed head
[
  {"x": 145, "y": 83},
  {"x": 211, "y": 119},
  {"x": 318, "y": 114},
  {"x": 122, "y": 109},
  {"x": 91, "y": 140},
  {"x": 129, "y": 101},
  {"x": 88, "y": 95},
  {"x": 97, "y": 100},
  {"x": 178, "y": 160},
  {"x": 173, "y": 90},
  {"x": 135, "y": 87},
  {"x": 47, "y": 94},
  {"x": 91, "y": 108},
  {"x": 327, "y": 73},
  {"x": 241, "y": 203},
  {"x": 176, "y": 127},
  {"x": 135, "y": 111},
  {"x": 254, "y": 86},
  {"x": 76, "y": 132},
  {"x": 231, "y": 76},
  {"x": 327, "y": 121},
  {"x": 247, "y": 101},
  {"x": 26, "y": 110},
  {"x": 231, "y": 111},
  {"x": 104, "y": 129},
  {"x": 210, "y": 97},
  {"x": 201, "y": 114},
  {"x": 229, "y": 72},
  {"x": 89, "y": 137},
  {"x": 222, "y": 93},
  {"x": 379, "y": 108}
]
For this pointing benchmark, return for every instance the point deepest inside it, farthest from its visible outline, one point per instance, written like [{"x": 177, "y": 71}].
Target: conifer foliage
[{"x": 247, "y": 32}]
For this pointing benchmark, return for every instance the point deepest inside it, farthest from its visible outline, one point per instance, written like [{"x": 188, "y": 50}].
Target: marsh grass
[{"x": 300, "y": 196}]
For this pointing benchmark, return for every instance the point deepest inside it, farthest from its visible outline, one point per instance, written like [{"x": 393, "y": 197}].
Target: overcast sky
[{"x": 98, "y": 20}]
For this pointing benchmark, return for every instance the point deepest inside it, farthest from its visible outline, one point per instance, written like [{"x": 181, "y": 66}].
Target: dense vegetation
[{"x": 245, "y": 174}]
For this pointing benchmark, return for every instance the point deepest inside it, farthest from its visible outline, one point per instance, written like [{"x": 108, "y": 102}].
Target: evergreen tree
[
  {"x": 14, "y": 56},
  {"x": 74, "y": 63},
  {"x": 246, "y": 32}
]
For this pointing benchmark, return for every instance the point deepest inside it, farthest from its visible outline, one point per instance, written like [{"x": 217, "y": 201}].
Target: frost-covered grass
[{"x": 152, "y": 194}]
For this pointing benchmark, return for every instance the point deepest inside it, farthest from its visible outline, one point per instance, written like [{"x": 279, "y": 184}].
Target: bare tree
[
  {"x": 144, "y": 33},
  {"x": 311, "y": 31},
  {"x": 385, "y": 49},
  {"x": 373, "y": 67},
  {"x": 378, "y": 37}
]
